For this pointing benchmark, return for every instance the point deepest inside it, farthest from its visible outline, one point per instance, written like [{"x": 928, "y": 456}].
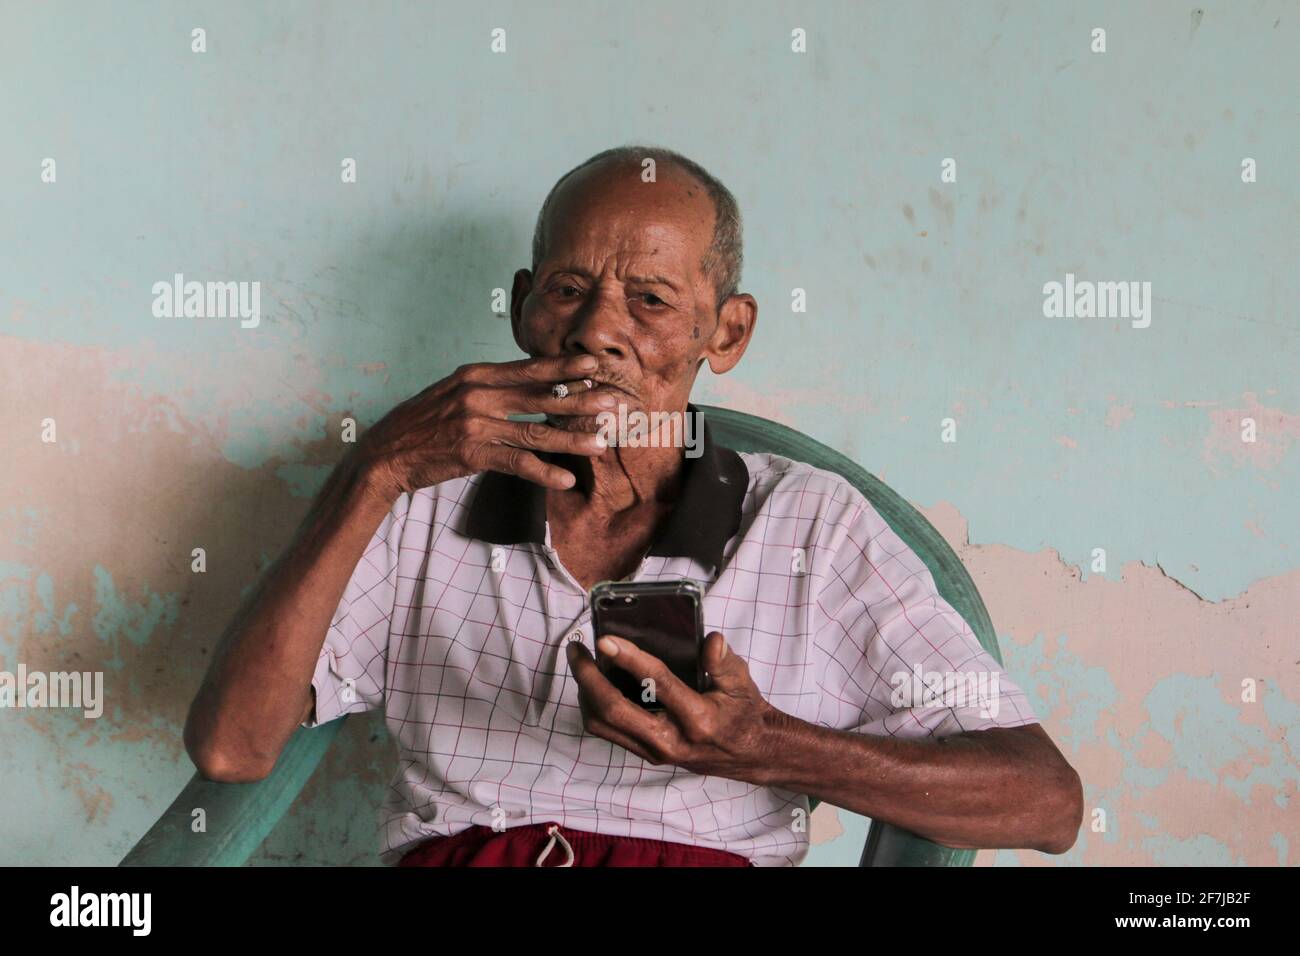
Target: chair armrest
[
  {"x": 888, "y": 845},
  {"x": 238, "y": 815}
]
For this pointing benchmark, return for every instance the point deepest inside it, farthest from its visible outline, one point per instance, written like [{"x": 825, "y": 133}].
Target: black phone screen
[{"x": 661, "y": 621}]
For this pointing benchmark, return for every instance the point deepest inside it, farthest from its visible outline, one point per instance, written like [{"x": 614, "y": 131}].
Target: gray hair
[{"x": 725, "y": 256}]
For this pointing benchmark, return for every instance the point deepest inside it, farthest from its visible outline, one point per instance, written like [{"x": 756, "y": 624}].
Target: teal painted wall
[{"x": 925, "y": 302}]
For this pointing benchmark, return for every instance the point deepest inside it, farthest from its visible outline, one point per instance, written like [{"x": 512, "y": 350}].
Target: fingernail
[
  {"x": 724, "y": 649},
  {"x": 608, "y": 645},
  {"x": 600, "y": 441},
  {"x": 587, "y": 361}
]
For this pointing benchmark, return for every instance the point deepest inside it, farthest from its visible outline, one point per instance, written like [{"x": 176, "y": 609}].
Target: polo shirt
[{"x": 455, "y": 621}]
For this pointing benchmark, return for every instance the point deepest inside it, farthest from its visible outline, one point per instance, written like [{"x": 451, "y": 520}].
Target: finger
[
  {"x": 557, "y": 368},
  {"x": 607, "y": 703},
  {"x": 601, "y": 729},
  {"x": 669, "y": 689},
  {"x": 583, "y": 667},
  {"x": 518, "y": 461},
  {"x": 727, "y": 671},
  {"x": 580, "y": 385},
  {"x": 533, "y": 400},
  {"x": 539, "y": 436}
]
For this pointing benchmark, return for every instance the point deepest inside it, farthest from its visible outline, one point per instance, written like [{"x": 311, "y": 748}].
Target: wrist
[
  {"x": 778, "y": 741},
  {"x": 375, "y": 482}
]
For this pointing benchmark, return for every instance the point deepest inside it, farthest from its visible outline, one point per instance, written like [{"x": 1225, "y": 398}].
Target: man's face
[{"x": 621, "y": 279}]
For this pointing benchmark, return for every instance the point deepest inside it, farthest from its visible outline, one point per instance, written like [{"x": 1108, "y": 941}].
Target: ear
[
  {"x": 522, "y": 286},
  {"x": 736, "y": 321}
]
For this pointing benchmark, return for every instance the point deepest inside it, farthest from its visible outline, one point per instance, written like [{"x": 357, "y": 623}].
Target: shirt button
[{"x": 575, "y": 635}]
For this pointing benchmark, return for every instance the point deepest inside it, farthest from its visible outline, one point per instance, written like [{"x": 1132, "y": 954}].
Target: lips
[{"x": 609, "y": 388}]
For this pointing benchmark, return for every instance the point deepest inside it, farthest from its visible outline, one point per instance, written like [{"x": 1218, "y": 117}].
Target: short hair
[{"x": 725, "y": 256}]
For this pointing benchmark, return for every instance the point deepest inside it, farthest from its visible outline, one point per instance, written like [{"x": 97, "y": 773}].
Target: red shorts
[{"x": 559, "y": 846}]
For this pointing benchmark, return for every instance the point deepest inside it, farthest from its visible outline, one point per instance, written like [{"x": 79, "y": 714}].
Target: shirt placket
[
  {"x": 575, "y": 631},
  {"x": 553, "y": 557}
]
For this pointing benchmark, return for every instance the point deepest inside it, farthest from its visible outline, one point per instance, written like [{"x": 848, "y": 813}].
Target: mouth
[
  {"x": 599, "y": 386},
  {"x": 604, "y": 387}
]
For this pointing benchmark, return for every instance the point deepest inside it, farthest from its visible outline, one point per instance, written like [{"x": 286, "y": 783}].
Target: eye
[
  {"x": 567, "y": 288},
  {"x": 652, "y": 299}
]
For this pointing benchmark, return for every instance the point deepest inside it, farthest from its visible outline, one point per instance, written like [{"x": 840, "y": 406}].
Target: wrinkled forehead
[{"x": 609, "y": 217}]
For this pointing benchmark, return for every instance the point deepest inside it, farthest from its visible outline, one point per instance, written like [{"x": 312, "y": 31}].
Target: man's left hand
[{"x": 727, "y": 731}]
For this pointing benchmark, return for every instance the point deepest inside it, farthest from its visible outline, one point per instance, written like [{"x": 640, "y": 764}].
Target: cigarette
[{"x": 565, "y": 389}]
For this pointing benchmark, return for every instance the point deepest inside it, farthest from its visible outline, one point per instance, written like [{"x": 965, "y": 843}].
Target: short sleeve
[
  {"x": 893, "y": 657},
  {"x": 351, "y": 672}
]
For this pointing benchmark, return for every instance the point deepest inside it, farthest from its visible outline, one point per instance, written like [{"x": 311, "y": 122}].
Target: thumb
[{"x": 724, "y": 667}]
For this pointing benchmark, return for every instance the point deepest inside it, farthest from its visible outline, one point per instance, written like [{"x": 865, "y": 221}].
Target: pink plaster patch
[
  {"x": 1141, "y": 630},
  {"x": 1275, "y": 431},
  {"x": 1117, "y": 415}
]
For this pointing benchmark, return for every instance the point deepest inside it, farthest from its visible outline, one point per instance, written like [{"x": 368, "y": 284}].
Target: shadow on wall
[
  {"x": 426, "y": 308},
  {"x": 426, "y": 290}
]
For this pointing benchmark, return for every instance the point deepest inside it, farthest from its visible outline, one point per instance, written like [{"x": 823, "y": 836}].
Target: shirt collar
[{"x": 508, "y": 509}]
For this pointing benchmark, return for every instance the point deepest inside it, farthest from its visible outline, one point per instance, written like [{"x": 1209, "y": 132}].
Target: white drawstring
[{"x": 555, "y": 834}]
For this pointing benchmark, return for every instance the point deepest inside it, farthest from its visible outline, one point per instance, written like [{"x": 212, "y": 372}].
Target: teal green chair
[{"x": 240, "y": 815}]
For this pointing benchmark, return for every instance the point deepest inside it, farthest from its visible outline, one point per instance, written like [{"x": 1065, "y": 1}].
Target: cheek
[
  {"x": 537, "y": 329},
  {"x": 671, "y": 366}
]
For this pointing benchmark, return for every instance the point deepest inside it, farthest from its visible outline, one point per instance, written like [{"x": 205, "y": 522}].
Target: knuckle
[
  {"x": 701, "y": 729},
  {"x": 472, "y": 399},
  {"x": 462, "y": 452},
  {"x": 469, "y": 372},
  {"x": 455, "y": 402},
  {"x": 577, "y": 441}
]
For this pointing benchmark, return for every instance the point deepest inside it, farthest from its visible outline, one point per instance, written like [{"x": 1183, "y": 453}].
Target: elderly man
[{"x": 443, "y": 575}]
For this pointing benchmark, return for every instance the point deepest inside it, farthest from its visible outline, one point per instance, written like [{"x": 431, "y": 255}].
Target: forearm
[
  {"x": 1000, "y": 788},
  {"x": 256, "y": 689}
]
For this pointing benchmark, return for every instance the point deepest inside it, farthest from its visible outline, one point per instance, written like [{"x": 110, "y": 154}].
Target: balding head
[
  {"x": 723, "y": 257},
  {"x": 635, "y": 273}
]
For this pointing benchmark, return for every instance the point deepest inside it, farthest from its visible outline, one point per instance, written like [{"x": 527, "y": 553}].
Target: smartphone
[{"x": 663, "y": 618}]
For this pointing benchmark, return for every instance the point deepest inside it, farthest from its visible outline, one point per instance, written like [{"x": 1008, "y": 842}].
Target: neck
[{"x": 623, "y": 478}]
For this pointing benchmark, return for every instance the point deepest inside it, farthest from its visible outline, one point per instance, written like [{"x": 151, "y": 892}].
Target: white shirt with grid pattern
[{"x": 468, "y": 664}]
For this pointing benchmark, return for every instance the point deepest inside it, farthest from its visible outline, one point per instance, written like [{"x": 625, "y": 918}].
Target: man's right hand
[{"x": 459, "y": 426}]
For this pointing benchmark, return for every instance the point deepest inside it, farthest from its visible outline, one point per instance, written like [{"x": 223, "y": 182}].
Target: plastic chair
[{"x": 240, "y": 815}]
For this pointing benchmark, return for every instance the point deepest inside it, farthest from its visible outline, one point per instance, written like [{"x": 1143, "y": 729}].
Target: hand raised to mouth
[{"x": 460, "y": 425}]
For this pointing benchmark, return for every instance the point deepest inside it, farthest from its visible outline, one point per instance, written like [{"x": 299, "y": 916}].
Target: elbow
[
  {"x": 1066, "y": 817},
  {"x": 221, "y": 764},
  {"x": 220, "y": 768}
]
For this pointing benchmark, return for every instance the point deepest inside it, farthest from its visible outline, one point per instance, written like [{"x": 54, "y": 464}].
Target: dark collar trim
[{"x": 508, "y": 509}]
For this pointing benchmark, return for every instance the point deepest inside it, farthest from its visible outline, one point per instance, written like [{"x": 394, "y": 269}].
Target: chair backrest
[{"x": 886, "y": 845}]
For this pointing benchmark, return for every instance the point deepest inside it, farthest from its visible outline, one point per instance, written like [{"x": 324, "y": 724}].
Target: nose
[{"x": 598, "y": 328}]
